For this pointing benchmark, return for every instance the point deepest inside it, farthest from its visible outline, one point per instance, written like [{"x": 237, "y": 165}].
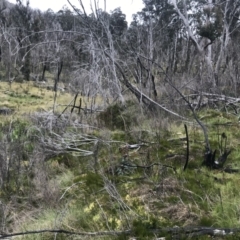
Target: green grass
[
  {"x": 84, "y": 196},
  {"x": 26, "y": 98}
]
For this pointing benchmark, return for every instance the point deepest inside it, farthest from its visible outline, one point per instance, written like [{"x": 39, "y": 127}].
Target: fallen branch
[
  {"x": 150, "y": 103},
  {"x": 61, "y": 231},
  {"x": 187, "y": 231},
  {"x": 212, "y": 98}
]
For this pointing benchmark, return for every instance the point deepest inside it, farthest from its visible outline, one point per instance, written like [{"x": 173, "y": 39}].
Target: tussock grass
[{"x": 46, "y": 219}]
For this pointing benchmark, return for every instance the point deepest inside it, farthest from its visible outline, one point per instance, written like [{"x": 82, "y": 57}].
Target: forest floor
[{"x": 112, "y": 174}]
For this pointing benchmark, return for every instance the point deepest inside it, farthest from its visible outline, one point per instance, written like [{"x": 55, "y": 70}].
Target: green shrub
[{"x": 117, "y": 116}]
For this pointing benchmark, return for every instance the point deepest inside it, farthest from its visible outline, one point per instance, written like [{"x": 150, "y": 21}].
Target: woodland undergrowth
[{"x": 119, "y": 171}]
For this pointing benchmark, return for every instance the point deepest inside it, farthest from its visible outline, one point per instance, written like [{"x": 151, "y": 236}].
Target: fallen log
[{"x": 188, "y": 232}]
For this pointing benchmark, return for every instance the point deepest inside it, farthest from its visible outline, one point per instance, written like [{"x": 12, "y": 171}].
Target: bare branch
[{"x": 103, "y": 233}]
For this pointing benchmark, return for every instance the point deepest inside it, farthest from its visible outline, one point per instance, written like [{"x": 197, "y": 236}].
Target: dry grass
[
  {"x": 28, "y": 97},
  {"x": 181, "y": 213}
]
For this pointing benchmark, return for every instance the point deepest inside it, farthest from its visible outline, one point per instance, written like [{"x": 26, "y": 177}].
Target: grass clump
[{"x": 118, "y": 116}]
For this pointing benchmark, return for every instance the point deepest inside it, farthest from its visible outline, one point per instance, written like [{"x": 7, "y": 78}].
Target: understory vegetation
[
  {"x": 114, "y": 174},
  {"x": 120, "y": 130}
]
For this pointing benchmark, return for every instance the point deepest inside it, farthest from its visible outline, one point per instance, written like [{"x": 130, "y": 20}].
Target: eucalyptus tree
[
  {"x": 210, "y": 25},
  {"x": 163, "y": 27},
  {"x": 8, "y": 40},
  {"x": 95, "y": 72},
  {"x": 21, "y": 18},
  {"x": 154, "y": 40},
  {"x": 117, "y": 23},
  {"x": 113, "y": 59},
  {"x": 3, "y": 8},
  {"x": 66, "y": 19}
]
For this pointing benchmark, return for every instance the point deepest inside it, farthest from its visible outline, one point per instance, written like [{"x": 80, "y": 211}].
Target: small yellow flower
[{"x": 89, "y": 208}]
